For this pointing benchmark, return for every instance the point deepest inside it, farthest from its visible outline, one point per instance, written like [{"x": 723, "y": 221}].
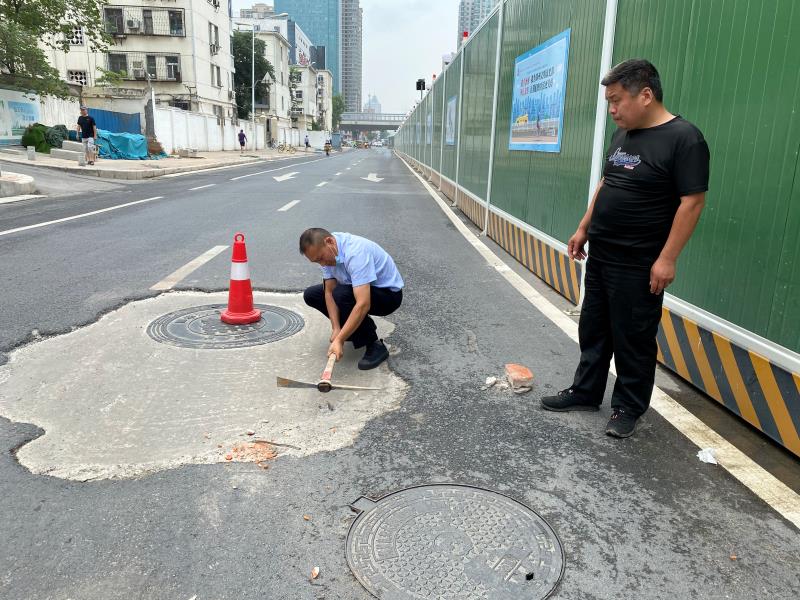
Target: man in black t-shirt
[
  {"x": 87, "y": 133},
  {"x": 643, "y": 212}
]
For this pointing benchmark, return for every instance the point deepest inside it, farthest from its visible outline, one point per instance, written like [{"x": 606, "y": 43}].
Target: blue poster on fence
[{"x": 537, "y": 108}]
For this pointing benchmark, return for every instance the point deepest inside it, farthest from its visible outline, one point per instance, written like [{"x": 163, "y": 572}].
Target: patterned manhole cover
[
  {"x": 201, "y": 327},
  {"x": 443, "y": 542}
]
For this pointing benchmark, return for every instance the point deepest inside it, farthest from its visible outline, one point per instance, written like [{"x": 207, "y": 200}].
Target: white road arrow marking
[
  {"x": 322, "y": 183},
  {"x": 285, "y": 177},
  {"x": 373, "y": 177}
]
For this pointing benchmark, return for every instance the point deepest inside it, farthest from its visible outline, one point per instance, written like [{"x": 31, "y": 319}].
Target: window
[
  {"x": 173, "y": 68},
  {"x": 147, "y": 17},
  {"x": 212, "y": 74},
  {"x": 114, "y": 20},
  {"x": 76, "y": 39},
  {"x": 77, "y": 77},
  {"x": 219, "y": 77},
  {"x": 117, "y": 62},
  {"x": 151, "y": 66},
  {"x": 298, "y": 94},
  {"x": 175, "y": 22}
]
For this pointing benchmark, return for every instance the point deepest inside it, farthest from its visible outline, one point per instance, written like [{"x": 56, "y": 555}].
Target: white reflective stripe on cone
[{"x": 239, "y": 271}]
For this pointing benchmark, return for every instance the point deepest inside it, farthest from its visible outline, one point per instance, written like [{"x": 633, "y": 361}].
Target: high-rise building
[
  {"x": 372, "y": 105},
  {"x": 470, "y": 15},
  {"x": 257, "y": 11},
  {"x": 320, "y": 20},
  {"x": 351, "y": 44},
  {"x": 336, "y": 26}
]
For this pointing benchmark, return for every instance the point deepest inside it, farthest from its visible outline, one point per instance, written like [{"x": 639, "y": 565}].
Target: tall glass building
[
  {"x": 336, "y": 25},
  {"x": 319, "y": 19}
]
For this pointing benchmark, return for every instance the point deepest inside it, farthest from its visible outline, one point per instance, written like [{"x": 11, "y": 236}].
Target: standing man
[
  {"x": 87, "y": 133},
  {"x": 242, "y": 141},
  {"x": 359, "y": 279},
  {"x": 643, "y": 212}
]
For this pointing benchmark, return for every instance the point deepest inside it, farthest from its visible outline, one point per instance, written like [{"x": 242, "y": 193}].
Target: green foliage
[
  {"x": 242, "y": 78},
  {"x": 338, "y": 109},
  {"x": 24, "y": 24},
  {"x": 110, "y": 78}
]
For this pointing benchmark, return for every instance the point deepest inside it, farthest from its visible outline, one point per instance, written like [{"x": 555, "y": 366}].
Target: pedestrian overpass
[{"x": 365, "y": 121}]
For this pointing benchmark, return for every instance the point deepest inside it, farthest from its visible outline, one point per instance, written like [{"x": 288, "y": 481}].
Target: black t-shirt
[
  {"x": 87, "y": 125},
  {"x": 646, "y": 172}
]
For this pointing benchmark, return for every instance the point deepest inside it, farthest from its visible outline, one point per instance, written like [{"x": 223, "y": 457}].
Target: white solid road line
[
  {"x": 322, "y": 183},
  {"x": 10, "y": 199},
  {"x": 308, "y": 162},
  {"x": 172, "y": 279},
  {"x": 757, "y": 479},
  {"x": 73, "y": 217},
  {"x": 200, "y": 187},
  {"x": 288, "y": 205},
  {"x": 339, "y": 173}
]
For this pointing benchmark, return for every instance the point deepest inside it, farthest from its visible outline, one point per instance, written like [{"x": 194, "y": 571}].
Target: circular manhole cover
[
  {"x": 443, "y": 542},
  {"x": 201, "y": 327}
]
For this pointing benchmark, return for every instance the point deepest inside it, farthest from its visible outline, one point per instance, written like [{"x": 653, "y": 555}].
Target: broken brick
[{"x": 519, "y": 376}]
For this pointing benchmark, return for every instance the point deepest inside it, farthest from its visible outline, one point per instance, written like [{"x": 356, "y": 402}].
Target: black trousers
[
  {"x": 619, "y": 317},
  {"x": 383, "y": 301}
]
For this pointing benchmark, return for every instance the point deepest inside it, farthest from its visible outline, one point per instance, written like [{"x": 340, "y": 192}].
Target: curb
[
  {"x": 16, "y": 184},
  {"x": 129, "y": 175}
]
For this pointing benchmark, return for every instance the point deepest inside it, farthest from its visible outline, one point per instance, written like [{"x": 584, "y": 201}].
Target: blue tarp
[{"x": 126, "y": 146}]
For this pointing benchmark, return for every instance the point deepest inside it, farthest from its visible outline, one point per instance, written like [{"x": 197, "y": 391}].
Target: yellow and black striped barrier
[
  {"x": 759, "y": 391},
  {"x": 762, "y": 393}
]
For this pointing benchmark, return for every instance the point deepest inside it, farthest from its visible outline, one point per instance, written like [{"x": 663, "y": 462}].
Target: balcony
[
  {"x": 140, "y": 66},
  {"x": 122, "y": 21}
]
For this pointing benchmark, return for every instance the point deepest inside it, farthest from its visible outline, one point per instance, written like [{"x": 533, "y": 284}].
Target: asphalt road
[{"x": 638, "y": 518}]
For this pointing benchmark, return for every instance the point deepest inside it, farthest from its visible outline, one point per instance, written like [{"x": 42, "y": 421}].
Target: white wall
[
  {"x": 176, "y": 128},
  {"x": 17, "y": 111}
]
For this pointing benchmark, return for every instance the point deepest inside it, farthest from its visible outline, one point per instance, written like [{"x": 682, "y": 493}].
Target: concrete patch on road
[{"x": 114, "y": 403}]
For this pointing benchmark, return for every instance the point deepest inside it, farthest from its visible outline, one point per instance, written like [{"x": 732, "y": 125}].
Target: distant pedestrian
[
  {"x": 242, "y": 140},
  {"x": 308, "y": 144},
  {"x": 644, "y": 210},
  {"x": 87, "y": 133}
]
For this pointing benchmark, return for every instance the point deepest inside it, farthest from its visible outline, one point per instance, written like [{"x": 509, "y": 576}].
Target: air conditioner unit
[
  {"x": 231, "y": 95},
  {"x": 137, "y": 64},
  {"x": 139, "y": 74},
  {"x": 134, "y": 24},
  {"x": 214, "y": 48}
]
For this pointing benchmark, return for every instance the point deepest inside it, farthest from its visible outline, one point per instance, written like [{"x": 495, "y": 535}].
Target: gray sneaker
[
  {"x": 622, "y": 424},
  {"x": 566, "y": 401}
]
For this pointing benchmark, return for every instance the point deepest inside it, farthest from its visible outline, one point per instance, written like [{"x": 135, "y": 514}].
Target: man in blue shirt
[{"x": 359, "y": 279}]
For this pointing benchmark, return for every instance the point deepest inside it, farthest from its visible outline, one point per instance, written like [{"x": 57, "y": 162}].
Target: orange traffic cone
[{"x": 240, "y": 295}]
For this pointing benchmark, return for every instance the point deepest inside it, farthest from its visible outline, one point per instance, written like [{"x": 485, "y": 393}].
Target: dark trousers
[
  {"x": 619, "y": 316},
  {"x": 383, "y": 301}
]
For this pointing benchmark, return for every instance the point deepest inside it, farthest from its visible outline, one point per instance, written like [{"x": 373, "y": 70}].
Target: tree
[
  {"x": 295, "y": 78},
  {"x": 243, "y": 63},
  {"x": 338, "y": 109},
  {"x": 25, "y": 24}
]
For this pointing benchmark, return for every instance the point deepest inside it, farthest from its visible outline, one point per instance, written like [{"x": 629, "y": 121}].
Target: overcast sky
[{"x": 403, "y": 41}]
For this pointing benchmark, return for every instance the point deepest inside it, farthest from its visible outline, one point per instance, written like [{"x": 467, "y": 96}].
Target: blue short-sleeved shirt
[{"x": 360, "y": 262}]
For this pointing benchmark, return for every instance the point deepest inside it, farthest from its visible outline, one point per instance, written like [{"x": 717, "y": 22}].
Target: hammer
[{"x": 324, "y": 384}]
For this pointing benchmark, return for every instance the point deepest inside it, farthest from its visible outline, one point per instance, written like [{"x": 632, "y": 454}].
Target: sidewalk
[{"x": 146, "y": 169}]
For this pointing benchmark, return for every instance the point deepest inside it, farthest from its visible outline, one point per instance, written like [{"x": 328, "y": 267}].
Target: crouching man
[{"x": 359, "y": 279}]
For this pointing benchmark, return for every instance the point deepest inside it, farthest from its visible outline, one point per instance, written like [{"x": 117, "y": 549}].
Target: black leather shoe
[
  {"x": 376, "y": 353},
  {"x": 566, "y": 401},
  {"x": 622, "y": 424}
]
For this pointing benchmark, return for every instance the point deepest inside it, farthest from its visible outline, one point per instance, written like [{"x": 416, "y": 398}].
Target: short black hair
[
  {"x": 634, "y": 75},
  {"x": 312, "y": 237}
]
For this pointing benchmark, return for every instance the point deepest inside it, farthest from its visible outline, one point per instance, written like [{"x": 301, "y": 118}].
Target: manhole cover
[
  {"x": 443, "y": 542},
  {"x": 201, "y": 327}
]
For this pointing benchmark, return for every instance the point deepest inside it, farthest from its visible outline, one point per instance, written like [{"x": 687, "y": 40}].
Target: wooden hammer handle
[{"x": 328, "y": 372}]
